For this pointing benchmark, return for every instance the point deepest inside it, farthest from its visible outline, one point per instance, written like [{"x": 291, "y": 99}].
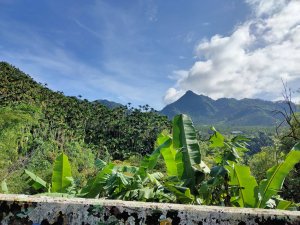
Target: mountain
[
  {"x": 226, "y": 111},
  {"x": 109, "y": 104}
]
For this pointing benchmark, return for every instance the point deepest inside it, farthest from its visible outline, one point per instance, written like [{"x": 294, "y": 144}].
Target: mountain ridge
[
  {"x": 109, "y": 104},
  {"x": 226, "y": 111}
]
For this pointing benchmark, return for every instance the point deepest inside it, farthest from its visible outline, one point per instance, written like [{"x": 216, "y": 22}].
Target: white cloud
[
  {"x": 267, "y": 7},
  {"x": 172, "y": 94},
  {"x": 251, "y": 61}
]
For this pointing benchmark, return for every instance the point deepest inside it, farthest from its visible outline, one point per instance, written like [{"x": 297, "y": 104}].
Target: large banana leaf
[
  {"x": 35, "y": 181},
  {"x": 240, "y": 177},
  {"x": 149, "y": 161},
  {"x": 185, "y": 138},
  {"x": 172, "y": 159},
  {"x": 276, "y": 175},
  {"x": 60, "y": 174},
  {"x": 117, "y": 185},
  {"x": 183, "y": 194},
  {"x": 95, "y": 185},
  {"x": 185, "y": 141}
]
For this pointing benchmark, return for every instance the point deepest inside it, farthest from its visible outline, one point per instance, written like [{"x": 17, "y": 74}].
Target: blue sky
[{"x": 150, "y": 51}]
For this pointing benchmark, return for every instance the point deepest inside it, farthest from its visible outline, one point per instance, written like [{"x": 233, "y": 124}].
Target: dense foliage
[
  {"x": 37, "y": 124},
  {"x": 187, "y": 180}
]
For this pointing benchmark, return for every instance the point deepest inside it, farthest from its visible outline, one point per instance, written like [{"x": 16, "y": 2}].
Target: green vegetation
[
  {"x": 188, "y": 179},
  {"x": 66, "y": 146},
  {"x": 37, "y": 124}
]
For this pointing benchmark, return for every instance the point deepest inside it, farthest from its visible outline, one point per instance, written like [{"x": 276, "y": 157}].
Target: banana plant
[
  {"x": 216, "y": 189},
  {"x": 243, "y": 185},
  {"x": 126, "y": 183},
  {"x": 233, "y": 182},
  {"x": 62, "y": 181},
  {"x": 182, "y": 157},
  {"x": 264, "y": 195},
  {"x": 191, "y": 168},
  {"x": 270, "y": 186}
]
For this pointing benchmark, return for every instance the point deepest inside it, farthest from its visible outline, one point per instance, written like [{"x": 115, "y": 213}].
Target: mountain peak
[
  {"x": 189, "y": 92},
  {"x": 229, "y": 111},
  {"x": 190, "y": 95}
]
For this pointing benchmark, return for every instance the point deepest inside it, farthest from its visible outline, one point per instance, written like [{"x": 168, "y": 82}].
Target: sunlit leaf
[
  {"x": 276, "y": 175},
  {"x": 61, "y": 171}
]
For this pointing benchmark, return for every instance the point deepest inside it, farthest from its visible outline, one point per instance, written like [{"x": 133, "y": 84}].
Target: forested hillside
[{"x": 36, "y": 124}]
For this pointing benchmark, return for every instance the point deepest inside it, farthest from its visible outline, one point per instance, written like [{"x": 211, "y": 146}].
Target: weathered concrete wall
[{"x": 22, "y": 209}]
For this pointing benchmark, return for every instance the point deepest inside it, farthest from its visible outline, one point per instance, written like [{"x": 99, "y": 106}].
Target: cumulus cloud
[
  {"x": 252, "y": 61},
  {"x": 171, "y": 94}
]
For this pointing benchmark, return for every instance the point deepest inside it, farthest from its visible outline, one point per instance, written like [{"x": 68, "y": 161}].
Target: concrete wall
[{"x": 22, "y": 209}]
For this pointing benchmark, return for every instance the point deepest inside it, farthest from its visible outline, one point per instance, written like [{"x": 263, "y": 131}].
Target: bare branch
[{"x": 288, "y": 114}]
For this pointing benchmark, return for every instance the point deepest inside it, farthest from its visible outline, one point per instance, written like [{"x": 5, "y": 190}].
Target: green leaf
[
  {"x": 95, "y": 185},
  {"x": 276, "y": 175},
  {"x": 205, "y": 192},
  {"x": 172, "y": 159},
  {"x": 240, "y": 176},
  {"x": 128, "y": 170},
  {"x": 61, "y": 171},
  {"x": 155, "y": 177},
  {"x": 34, "y": 181},
  {"x": 100, "y": 164},
  {"x": 150, "y": 161},
  {"x": 125, "y": 180},
  {"x": 185, "y": 141},
  {"x": 218, "y": 171},
  {"x": 184, "y": 137},
  {"x": 283, "y": 204},
  {"x": 182, "y": 194},
  {"x": 240, "y": 138},
  {"x": 4, "y": 187},
  {"x": 145, "y": 193},
  {"x": 217, "y": 139}
]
